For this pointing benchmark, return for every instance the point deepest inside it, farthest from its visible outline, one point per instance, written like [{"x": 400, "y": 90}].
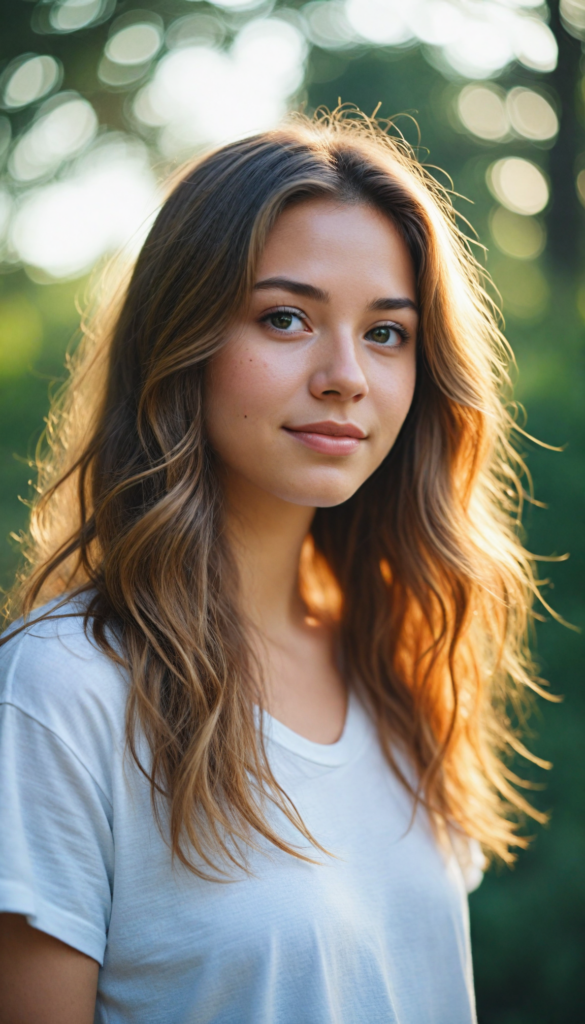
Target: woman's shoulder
[{"x": 53, "y": 671}]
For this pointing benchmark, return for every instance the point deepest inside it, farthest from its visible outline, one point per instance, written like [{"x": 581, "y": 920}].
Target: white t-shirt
[{"x": 378, "y": 933}]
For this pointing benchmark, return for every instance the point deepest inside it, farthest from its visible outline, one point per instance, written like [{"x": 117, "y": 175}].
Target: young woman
[{"x": 254, "y": 721}]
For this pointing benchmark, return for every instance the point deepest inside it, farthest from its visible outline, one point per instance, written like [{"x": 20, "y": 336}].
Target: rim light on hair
[{"x": 422, "y": 569}]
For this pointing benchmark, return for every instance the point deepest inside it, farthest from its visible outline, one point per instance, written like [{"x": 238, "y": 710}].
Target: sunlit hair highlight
[{"x": 422, "y": 570}]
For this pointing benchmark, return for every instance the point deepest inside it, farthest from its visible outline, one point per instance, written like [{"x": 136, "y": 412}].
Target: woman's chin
[{"x": 319, "y": 497}]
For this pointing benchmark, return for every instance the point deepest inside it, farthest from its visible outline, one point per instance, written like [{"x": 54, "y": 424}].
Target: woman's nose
[{"x": 338, "y": 372}]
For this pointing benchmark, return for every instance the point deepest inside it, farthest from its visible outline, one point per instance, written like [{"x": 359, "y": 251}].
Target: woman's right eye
[
  {"x": 281, "y": 320},
  {"x": 284, "y": 320}
]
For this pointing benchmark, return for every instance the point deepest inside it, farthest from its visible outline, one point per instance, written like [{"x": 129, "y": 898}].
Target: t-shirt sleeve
[
  {"x": 471, "y": 859},
  {"x": 56, "y": 842}
]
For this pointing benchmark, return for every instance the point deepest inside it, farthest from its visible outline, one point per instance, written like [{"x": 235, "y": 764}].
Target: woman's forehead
[{"x": 328, "y": 239}]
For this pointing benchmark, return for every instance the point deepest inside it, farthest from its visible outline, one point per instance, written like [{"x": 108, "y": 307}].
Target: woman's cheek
[
  {"x": 257, "y": 383},
  {"x": 392, "y": 399},
  {"x": 243, "y": 389}
]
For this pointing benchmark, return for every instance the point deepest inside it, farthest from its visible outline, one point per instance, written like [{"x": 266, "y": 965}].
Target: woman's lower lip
[{"x": 326, "y": 444}]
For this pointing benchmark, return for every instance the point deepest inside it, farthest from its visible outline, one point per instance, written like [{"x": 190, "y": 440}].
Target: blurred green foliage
[{"x": 528, "y": 924}]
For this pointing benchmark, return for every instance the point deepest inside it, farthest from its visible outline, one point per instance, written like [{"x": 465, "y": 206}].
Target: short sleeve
[
  {"x": 56, "y": 842},
  {"x": 471, "y": 859}
]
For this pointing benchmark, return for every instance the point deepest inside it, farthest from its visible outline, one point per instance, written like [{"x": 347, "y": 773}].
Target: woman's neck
[
  {"x": 301, "y": 683},
  {"x": 267, "y": 534}
]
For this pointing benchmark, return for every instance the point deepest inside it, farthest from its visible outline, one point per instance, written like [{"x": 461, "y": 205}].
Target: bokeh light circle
[
  {"x": 28, "y": 79},
  {"x": 134, "y": 44},
  {"x": 523, "y": 238},
  {"x": 519, "y": 185},
  {"x": 63, "y": 128},
  {"x": 71, "y": 15},
  {"x": 109, "y": 198},
  {"x": 531, "y": 115},
  {"x": 482, "y": 110}
]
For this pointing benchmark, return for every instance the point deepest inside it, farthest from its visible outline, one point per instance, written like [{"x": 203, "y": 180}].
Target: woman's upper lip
[{"x": 331, "y": 427}]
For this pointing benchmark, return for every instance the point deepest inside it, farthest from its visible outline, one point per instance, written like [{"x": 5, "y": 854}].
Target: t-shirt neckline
[{"x": 343, "y": 750}]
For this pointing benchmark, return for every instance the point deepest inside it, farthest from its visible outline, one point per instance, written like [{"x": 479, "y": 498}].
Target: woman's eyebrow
[
  {"x": 396, "y": 303},
  {"x": 312, "y": 292},
  {"x": 296, "y": 287}
]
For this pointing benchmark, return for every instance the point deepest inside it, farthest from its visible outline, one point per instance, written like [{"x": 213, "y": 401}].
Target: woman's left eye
[{"x": 388, "y": 335}]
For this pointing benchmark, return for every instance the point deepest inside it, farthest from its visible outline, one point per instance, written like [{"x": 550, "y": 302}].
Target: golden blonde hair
[{"x": 422, "y": 568}]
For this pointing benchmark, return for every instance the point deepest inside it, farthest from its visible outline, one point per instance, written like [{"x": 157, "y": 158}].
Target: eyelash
[{"x": 265, "y": 319}]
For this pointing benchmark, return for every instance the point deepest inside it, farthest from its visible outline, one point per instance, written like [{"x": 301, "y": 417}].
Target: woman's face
[{"x": 309, "y": 393}]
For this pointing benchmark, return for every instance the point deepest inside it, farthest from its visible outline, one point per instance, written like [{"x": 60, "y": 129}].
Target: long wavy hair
[{"x": 422, "y": 570}]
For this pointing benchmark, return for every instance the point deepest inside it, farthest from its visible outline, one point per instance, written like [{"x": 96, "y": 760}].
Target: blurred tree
[{"x": 565, "y": 221}]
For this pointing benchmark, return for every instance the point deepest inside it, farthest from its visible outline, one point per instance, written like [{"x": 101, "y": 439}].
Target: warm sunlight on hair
[{"x": 422, "y": 570}]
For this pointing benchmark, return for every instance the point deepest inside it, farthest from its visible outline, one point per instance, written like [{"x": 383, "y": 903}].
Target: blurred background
[{"x": 100, "y": 99}]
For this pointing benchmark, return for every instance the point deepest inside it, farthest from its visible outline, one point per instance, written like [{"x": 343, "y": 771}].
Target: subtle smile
[{"x": 329, "y": 437}]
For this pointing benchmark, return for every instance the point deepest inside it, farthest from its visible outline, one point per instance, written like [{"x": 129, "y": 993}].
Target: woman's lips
[{"x": 329, "y": 438}]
